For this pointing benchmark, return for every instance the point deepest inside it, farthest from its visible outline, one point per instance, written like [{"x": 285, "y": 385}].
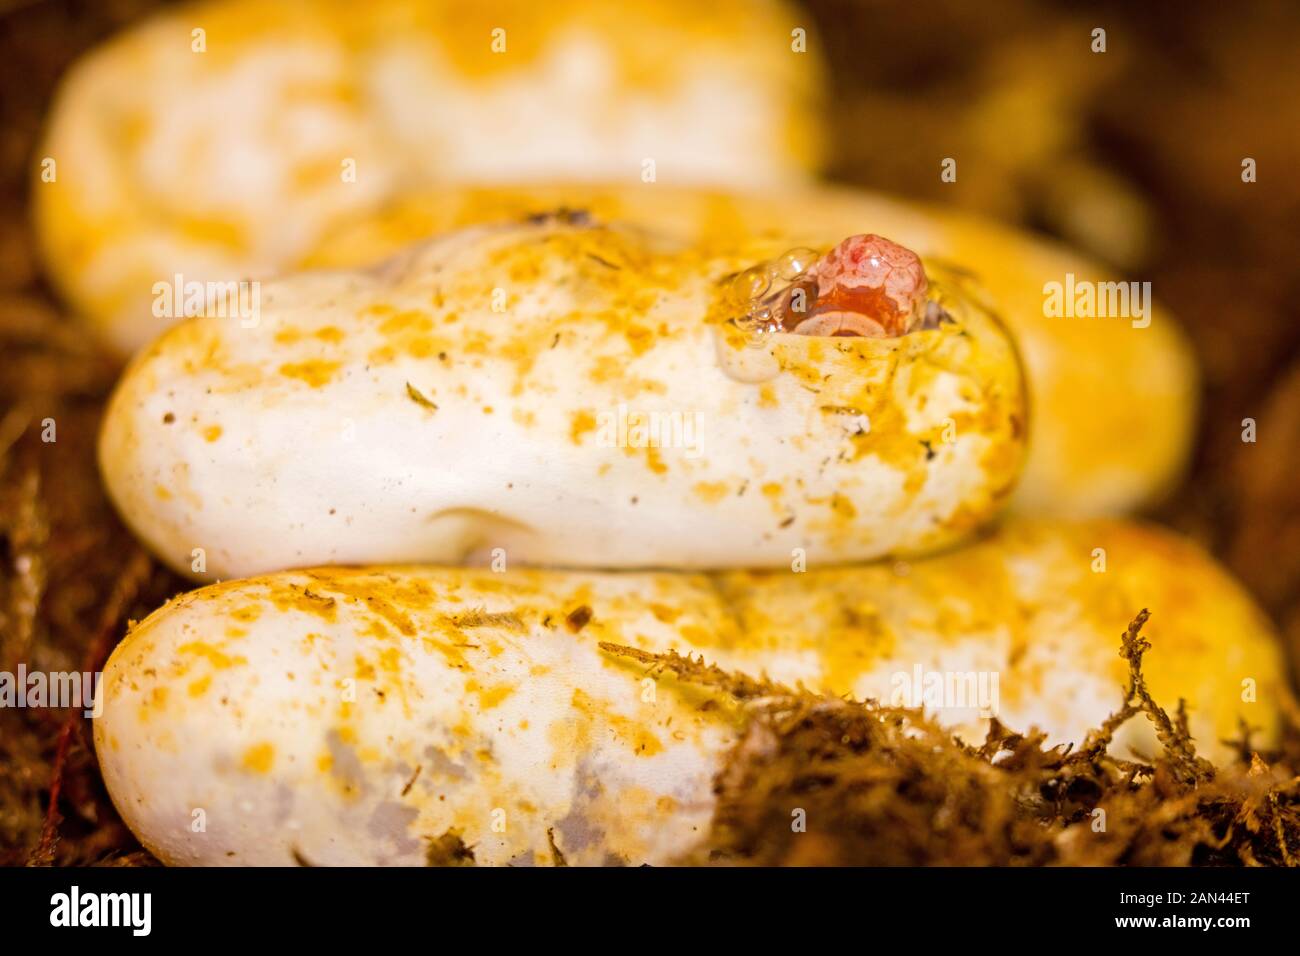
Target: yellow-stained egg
[
  {"x": 1114, "y": 398},
  {"x": 218, "y": 140},
  {"x": 352, "y": 715},
  {"x": 561, "y": 393}
]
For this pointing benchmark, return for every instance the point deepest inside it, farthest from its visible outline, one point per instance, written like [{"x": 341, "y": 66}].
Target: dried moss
[
  {"x": 420, "y": 398},
  {"x": 448, "y": 850},
  {"x": 825, "y": 781},
  {"x": 480, "y": 617}
]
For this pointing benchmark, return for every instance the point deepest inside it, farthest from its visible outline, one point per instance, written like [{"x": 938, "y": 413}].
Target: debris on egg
[{"x": 569, "y": 391}]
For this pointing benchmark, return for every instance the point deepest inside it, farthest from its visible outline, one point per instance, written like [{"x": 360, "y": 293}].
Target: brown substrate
[{"x": 821, "y": 781}]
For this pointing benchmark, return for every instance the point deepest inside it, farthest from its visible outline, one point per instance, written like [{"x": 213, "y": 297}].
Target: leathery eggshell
[
  {"x": 221, "y": 139},
  {"x": 347, "y": 716},
  {"x": 555, "y": 393},
  {"x": 1114, "y": 400}
]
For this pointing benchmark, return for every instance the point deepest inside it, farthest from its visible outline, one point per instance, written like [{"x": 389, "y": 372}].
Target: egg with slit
[{"x": 558, "y": 392}]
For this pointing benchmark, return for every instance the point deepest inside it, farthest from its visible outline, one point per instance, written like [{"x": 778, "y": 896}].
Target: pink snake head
[{"x": 866, "y": 286}]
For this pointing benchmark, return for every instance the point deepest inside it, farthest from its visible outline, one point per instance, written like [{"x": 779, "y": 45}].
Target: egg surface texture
[
  {"x": 561, "y": 393},
  {"x": 1114, "y": 396},
  {"x": 218, "y": 140},
  {"x": 357, "y": 716}
]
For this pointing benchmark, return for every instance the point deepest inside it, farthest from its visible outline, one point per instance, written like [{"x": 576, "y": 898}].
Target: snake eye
[{"x": 865, "y": 286}]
